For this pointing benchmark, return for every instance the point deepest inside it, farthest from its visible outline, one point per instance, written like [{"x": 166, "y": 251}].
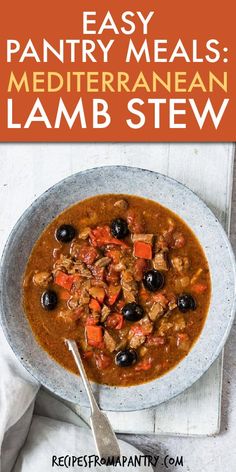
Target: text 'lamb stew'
[{"x": 124, "y": 277}]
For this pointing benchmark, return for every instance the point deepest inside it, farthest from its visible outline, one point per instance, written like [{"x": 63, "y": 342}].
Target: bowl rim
[{"x": 170, "y": 180}]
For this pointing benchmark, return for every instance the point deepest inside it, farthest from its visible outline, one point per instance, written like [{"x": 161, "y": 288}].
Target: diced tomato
[
  {"x": 64, "y": 280},
  {"x": 114, "y": 254},
  {"x": 64, "y": 295},
  {"x": 103, "y": 361},
  {"x": 115, "y": 321},
  {"x": 94, "y": 335},
  {"x": 88, "y": 254},
  {"x": 144, "y": 365},
  {"x": 155, "y": 340},
  {"x": 142, "y": 250},
  {"x": 101, "y": 236},
  {"x": 98, "y": 293},
  {"x": 95, "y": 305},
  {"x": 199, "y": 288},
  {"x": 140, "y": 266},
  {"x": 113, "y": 293}
]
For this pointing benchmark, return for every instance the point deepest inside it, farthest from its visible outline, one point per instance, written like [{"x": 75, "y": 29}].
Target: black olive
[
  {"x": 126, "y": 358},
  {"x": 186, "y": 302},
  {"x": 132, "y": 312},
  {"x": 119, "y": 228},
  {"x": 49, "y": 300},
  {"x": 65, "y": 233},
  {"x": 153, "y": 280}
]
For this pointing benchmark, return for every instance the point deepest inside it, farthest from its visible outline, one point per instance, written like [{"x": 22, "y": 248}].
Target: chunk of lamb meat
[
  {"x": 64, "y": 263},
  {"x": 105, "y": 313},
  {"x": 160, "y": 260},
  {"x": 139, "y": 332},
  {"x": 145, "y": 238},
  {"x": 109, "y": 341},
  {"x": 81, "y": 269},
  {"x": 140, "y": 266},
  {"x": 156, "y": 311},
  {"x": 129, "y": 286},
  {"x": 103, "y": 262},
  {"x": 180, "y": 264},
  {"x": 137, "y": 338},
  {"x": 179, "y": 322},
  {"x": 84, "y": 233},
  {"x": 121, "y": 204},
  {"x": 183, "y": 342},
  {"x": 42, "y": 279},
  {"x": 84, "y": 294},
  {"x": 164, "y": 326}
]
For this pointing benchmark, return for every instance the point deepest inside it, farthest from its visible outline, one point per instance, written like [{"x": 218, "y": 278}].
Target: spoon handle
[{"x": 104, "y": 436}]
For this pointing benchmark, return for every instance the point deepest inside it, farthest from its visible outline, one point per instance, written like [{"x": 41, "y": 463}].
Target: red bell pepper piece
[
  {"x": 143, "y": 250},
  {"x": 94, "y": 335},
  {"x": 101, "y": 236},
  {"x": 94, "y": 305},
  {"x": 64, "y": 280}
]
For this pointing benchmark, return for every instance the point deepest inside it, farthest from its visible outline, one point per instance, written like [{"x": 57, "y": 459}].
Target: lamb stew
[{"x": 124, "y": 277}]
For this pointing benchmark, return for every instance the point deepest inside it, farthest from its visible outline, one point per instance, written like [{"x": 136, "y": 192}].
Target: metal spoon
[{"x": 104, "y": 436}]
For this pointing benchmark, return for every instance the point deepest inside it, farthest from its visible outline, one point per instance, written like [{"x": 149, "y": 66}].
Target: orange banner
[{"x": 123, "y": 71}]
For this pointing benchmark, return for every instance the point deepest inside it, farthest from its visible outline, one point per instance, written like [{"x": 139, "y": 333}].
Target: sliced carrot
[
  {"x": 95, "y": 305},
  {"x": 98, "y": 293},
  {"x": 94, "y": 335},
  {"x": 142, "y": 250},
  {"x": 199, "y": 288},
  {"x": 113, "y": 293}
]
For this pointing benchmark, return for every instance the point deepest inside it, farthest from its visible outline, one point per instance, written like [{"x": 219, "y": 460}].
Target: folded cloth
[{"x": 40, "y": 433}]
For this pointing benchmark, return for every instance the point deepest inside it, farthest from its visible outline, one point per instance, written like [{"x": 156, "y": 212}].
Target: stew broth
[{"x": 131, "y": 285}]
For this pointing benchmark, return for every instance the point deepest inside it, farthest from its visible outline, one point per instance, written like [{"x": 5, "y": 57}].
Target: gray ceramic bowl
[{"x": 167, "y": 192}]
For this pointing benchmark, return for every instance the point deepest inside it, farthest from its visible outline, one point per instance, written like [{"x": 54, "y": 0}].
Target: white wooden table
[{"x": 29, "y": 169}]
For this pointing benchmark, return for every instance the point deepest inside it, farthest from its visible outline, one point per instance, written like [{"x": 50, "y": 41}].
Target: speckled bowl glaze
[{"x": 166, "y": 191}]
